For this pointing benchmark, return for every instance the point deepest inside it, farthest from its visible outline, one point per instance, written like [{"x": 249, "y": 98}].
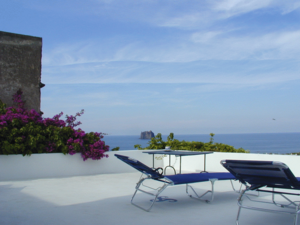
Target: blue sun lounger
[
  {"x": 268, "y": 175},
  {"x": 156, "y": 175}
]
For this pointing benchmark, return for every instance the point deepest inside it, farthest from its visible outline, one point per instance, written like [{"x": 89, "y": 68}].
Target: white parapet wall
[
  {"x": 18, "y": 167},
  {"x": 54, "y": 165}
]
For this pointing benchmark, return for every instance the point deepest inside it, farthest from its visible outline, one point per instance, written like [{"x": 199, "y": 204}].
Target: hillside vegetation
[{"x": 157, "y": 143}]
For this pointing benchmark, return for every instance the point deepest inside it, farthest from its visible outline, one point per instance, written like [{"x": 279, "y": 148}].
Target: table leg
[
  {"x": 153, "y": 161},
  {"x": 204, "y": 171},
  {"x": 169, "y": 166},
  {"x": 204, "y": 162},
  {"x": 180, "y": 165}
]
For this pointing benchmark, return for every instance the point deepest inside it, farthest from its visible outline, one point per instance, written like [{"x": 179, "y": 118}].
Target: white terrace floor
[{"x": 105, "y": 199}]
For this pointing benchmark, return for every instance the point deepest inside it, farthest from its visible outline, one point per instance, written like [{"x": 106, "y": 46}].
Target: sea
[{"x": 277, "y": 143}]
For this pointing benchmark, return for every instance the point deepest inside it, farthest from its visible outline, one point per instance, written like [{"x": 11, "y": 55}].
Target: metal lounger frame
[
  {"x": 166, "y": 183},
  {"x": 152, "y": 174}
]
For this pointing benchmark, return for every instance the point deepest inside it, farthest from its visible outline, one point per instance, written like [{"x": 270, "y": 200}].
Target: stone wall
[{"x": 20, "y": 67}]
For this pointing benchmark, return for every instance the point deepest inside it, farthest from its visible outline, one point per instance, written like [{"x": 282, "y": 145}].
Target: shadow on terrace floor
[{"x": 105, "y": 199}]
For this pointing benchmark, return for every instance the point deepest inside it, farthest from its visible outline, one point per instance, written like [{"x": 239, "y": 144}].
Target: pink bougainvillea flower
[{"x": 89, "y": 145}]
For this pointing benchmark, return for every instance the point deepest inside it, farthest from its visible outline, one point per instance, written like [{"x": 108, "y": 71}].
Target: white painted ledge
[
  {"x": 18, "y": 167},
  {"x": 54, "y": 165}
]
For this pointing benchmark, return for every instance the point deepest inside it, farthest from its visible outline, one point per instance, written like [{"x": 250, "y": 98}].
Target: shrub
[
  {"x": 26, "y": 131},
  {"x": 158, "y": 143}
]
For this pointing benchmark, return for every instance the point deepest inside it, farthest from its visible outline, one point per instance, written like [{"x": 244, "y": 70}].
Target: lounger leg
[
  {"x": 296, "y": 214},
  {"x": 149, "y": 193},
  {"x": 296, "y": 219},
  {"x": 201, "y": 196},
  {"x": 273, "y": 199},
  {"x": 291, "y": 204},
  {"x": 240, "y": 190},
  {"x": 240, "y": 201},
  {"x": 237, "y": 191}
]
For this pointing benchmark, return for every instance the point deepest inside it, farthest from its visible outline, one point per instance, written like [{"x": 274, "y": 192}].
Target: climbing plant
[{"x": 26, "y": 132}]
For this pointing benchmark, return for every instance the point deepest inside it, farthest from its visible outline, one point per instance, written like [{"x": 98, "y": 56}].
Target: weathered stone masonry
[{"x": 20, "y": 67}]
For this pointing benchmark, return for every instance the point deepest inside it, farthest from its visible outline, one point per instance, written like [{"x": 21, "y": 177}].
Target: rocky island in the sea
[{"x": 147, "y": 135}]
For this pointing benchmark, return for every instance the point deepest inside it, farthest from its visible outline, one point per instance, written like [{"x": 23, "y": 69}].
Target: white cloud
[
  {"x": 188, "y": 21},
  {"x": 204, "y": 37},
  {"x": 211, "y": 12},
  {"x": 235, "y": 7},
  {"x": 291, "y": 7},
  {"x": 215, "y": 45},
  {"x": 125, "y": 60},
  {"x": 211, "y": 45},
  {"x": 189, "y": 14},
  {"x": 177, "y": 62}
]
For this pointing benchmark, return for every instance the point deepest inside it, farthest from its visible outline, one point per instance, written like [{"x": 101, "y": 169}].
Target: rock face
[{"x": 147, "y": 135}]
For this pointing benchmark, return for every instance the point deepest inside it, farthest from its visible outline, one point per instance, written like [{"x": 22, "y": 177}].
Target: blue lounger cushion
[{"x": 198, "y": 177}]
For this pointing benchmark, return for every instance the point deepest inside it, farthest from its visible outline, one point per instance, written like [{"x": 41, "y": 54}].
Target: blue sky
[{"x": 188, "y": 67}]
